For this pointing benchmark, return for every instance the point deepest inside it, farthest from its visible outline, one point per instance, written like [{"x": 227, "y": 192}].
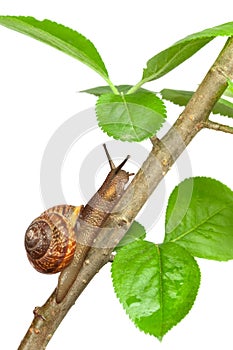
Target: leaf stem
[
  {"x": 112, "y": 86},
  {"x": 134, "y": 88}
]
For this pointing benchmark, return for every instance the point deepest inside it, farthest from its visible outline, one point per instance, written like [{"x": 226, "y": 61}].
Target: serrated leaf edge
[
  {"x": 197, "y": 36},
  {"x": 221, "y": 102},
  {"x": 102, "y": 70},
  {"x": 149, "y": 134},
  {"x": 188, "y": 179},
  {"x": 177, "y": 240}
]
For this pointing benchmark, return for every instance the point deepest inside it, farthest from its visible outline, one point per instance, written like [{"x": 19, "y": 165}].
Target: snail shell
[{"x": 50, "y": 240}]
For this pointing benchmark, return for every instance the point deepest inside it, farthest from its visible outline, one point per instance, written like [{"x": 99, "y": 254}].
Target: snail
[{"x": 64, "y": 231}]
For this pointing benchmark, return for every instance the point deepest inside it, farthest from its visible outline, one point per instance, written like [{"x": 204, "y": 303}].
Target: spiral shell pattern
[{"x": 50, "y": 240}]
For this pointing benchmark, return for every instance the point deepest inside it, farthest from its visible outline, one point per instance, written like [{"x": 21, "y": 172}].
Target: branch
[
  {"x": 218, "y": 127},
  {"x": 163, "y": 154}
]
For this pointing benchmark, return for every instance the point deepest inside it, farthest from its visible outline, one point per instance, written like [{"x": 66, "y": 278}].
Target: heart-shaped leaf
[{"x": 156, "y": 284}]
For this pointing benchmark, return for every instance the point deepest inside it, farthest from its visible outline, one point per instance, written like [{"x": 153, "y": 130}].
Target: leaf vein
[{"x": 199, "y": 224}]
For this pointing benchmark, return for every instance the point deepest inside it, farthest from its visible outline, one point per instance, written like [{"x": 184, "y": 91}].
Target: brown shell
[{"x": 50, "y": 240}]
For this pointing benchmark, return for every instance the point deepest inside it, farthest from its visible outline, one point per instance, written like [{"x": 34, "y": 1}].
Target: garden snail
[{"x": 65, "y": 231}]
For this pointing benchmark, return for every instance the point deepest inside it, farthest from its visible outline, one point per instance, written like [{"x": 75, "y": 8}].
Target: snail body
[{"x": 63, "y": 235}]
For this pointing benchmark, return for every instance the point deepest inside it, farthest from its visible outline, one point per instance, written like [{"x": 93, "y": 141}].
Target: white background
[{"x": 38, "y": 92}]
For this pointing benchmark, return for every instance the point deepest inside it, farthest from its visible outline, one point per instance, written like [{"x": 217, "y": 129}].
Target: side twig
[
  {"x": 218, "y": 127},
  {"x": 164, "y": 153}
]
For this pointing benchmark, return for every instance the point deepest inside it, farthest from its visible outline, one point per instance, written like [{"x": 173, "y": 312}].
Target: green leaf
[
  {"x": 229, "y": 90},
  {"x": 199, "y": 218},
  {"x": 100, "y": 90},
  {"x": 135, "y": 232},
  {"x": 178, "y": 97},
  {"x": 156, "y": 284},
  {"x": 181, "y": 98},
  {"x": 130, "y": 117},
  {"x": 60, "y": 37},
  {"x": 166, "y": 60}
]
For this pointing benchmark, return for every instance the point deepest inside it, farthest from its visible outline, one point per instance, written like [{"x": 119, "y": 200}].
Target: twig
[
  {"x": 159, "y": 161},
  {"x": 218, "y": 127}
]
